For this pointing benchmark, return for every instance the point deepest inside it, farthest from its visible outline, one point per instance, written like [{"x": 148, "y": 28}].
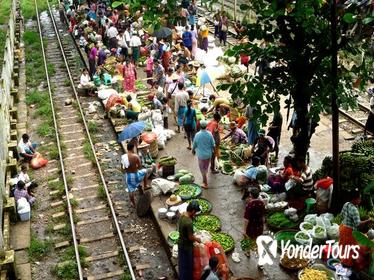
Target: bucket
[{"x": 310, "y": 203}]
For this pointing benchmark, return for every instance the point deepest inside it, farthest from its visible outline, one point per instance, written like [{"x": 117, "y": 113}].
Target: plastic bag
[
  {"x": 327, "y": 216},
  {"x": 38, "y": 161},
  {"x": 303, "y": 241},
  {"x": 290, "y": 212},
  {"x": 200, "y": 259},
  {"x": 323, "y": 222},
  {"x": 215, "y": 249},
  {"x": 319, "y": 232},
  {"x": 311, "y": 218},
  {"x": 333, "y": 232},
  {"x": 162, "y": 185}
]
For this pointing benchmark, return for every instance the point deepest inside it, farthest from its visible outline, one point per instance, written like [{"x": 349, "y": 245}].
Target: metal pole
[{"x": 335, "y": 109}]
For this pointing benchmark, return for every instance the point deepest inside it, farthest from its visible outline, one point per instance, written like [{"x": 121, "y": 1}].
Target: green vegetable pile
[
  {"x": 207, "y": 222},
  {"x": 356, "y": 171},
  {"x": 248, "y": 244},
  {"x": 205, "y": 205},
  {"x": 225, "y": 240},
  {"x": 338, "y": 219},
  {"x": 174, "y": 235},
  {"x": 302, "y": 235},
  {"x": 319, "y": 230},
  {"x": 140, "y": 86},
  {"x": 279, "y": 220},
  {"x": 227, "y": 167},
  {"x": 308, "y": 226},
  {"x": 188, "y": 190}
]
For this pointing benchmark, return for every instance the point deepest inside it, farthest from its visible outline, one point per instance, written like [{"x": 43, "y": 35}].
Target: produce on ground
[
  {"x": 205, "y": 205},
  {"x": 226, "y": 240},
  {"x": 248, "y": 244},
  {"x": 207, "y": 222},
  {"x": 279, "y": 220},
  {"x": 307, "y": 226},
  {"x": 188, "y": 190},
  {"x": 227, "y": 167},
  {"x": 302, "y": 235},
  {"x": 338, "y": 219},
  {"x": 313, "y": 274}
]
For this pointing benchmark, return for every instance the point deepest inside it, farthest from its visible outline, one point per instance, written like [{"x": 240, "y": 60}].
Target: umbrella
[
  {"x": 203, "y": 78},
  {"x": 162, "y": 33},
  {"x": 131, "y": 131}
]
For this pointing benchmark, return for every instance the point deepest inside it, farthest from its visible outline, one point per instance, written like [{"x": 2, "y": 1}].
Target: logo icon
[{"x": 267, "y": 249}]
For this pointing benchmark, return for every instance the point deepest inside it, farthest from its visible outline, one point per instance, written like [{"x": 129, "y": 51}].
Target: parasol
[
  {"x": 162, "y": 33},
  {"x": 131, "y": 131}
]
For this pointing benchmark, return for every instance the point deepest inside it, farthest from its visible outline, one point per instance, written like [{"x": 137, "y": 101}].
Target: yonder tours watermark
[{"x": 268, "y": 246}]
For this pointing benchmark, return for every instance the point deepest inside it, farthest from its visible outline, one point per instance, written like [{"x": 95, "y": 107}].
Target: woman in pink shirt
[{"x": 149, "y": 70}]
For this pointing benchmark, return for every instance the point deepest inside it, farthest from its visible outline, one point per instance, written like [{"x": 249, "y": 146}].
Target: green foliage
[
  {"x": 101, "y": 192},
  {"x": 45, "y": 129},
  {"x": 87, "y": 150},
  {"x": 53, "y": 153},
  {"x": 5, "y": 6},
  {"x": 28, "y": 8},
  {"x": 66, "y": 270},
  {"x": 39, "y": 248},
  {"x": 56, "y": 185},
  {"x": 34, "y": 59},
  {"x": 92, "y": 126},
  {"x": 293, "y": 41},
  {"x": 126, "y": 276},
  {"x": 2, "y": 43},
  {"x": 51, "y": 69},
  {"x": 35, "y": 97}
]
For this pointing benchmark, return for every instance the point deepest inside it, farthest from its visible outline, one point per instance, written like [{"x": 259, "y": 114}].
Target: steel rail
[
  {"x": 110, "y": 203},
  {"x": 352, "y": 119},
  {"x": 70, "y": 210}
]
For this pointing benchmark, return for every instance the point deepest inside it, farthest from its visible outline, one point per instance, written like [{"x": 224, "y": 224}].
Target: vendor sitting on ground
[
  {"x": 21, "y": 191},
  {"x": 249, "y": 178},
  {"x": 133, "y": 105},
  {"x": 23, "y": 176},
  {"x": 217, "y": 101},
  {"x": 25, "y": 148},
  {"x": 85, "y": 82},
  {"x": 135, "y": 174},
  {"x": 351, "y": 222},
  {"x": 306, "y": 177},
  {"x": 261, "y": 147},
  {"x": 277, "y": 181},
  {"x": 236, "y": 135}
]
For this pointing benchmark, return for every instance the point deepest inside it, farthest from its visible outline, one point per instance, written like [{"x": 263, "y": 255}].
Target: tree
[
  {"x": 296, "y": 47},
  {"x": 155, "y": 12}
]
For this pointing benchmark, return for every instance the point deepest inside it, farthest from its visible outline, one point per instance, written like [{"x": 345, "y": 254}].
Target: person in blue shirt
[
  {"x": 187, "y": 38},
  {"x": 203, "y": 146},
  {"x": 189, "y": 123}
]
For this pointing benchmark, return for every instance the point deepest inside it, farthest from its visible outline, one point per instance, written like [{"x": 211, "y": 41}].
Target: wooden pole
[{"x": 335, "y": 111}]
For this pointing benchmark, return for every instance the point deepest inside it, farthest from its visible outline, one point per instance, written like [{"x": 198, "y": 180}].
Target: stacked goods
[
  {"x": 187, "y": 179},
  {"x": 167, "y": 161},
  {"x": 356, "y": 170}
]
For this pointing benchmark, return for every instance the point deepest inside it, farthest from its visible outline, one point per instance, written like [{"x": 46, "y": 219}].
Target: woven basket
[{"x": 153, "y": 149}]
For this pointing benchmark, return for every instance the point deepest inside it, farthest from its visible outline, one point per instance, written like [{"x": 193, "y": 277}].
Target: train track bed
[{"x": 94, "y": 222}]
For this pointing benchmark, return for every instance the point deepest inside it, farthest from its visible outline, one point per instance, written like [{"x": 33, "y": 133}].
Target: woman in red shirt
[{"x": 213, "y": 127}]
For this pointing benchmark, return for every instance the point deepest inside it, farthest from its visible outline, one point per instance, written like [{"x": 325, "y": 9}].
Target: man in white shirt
[
  {"x": 112, "y": 33},
  {"x": 135, "y": 44},
  {"x": 24, "y": 177},
  {"x": 181, "y": 98},
  {"x": 25, "y": 148},
  {"x": 127, "y": 35},
  {"x": 121, "y": 39}
]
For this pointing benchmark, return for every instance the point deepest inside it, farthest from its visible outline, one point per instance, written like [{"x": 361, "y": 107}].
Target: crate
[{"x": 168, "y": 170}]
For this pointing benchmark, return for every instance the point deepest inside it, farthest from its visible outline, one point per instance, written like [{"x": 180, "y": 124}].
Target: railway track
[
  {"x": 354, "y": 121},
  {"x": 93, "y": 220},
  {"x": 101, "y": 217}
]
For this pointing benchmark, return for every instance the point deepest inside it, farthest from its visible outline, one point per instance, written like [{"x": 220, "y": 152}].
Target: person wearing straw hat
[
  {"x": 173, "y": 200},
  {"x": 203, "y": 146},
  {"x": 186, "y": 240},
  {"x": 204, "y": 33}
]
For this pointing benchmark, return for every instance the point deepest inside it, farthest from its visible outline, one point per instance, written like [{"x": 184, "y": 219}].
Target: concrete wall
[{"x": 6, "y": 104}]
